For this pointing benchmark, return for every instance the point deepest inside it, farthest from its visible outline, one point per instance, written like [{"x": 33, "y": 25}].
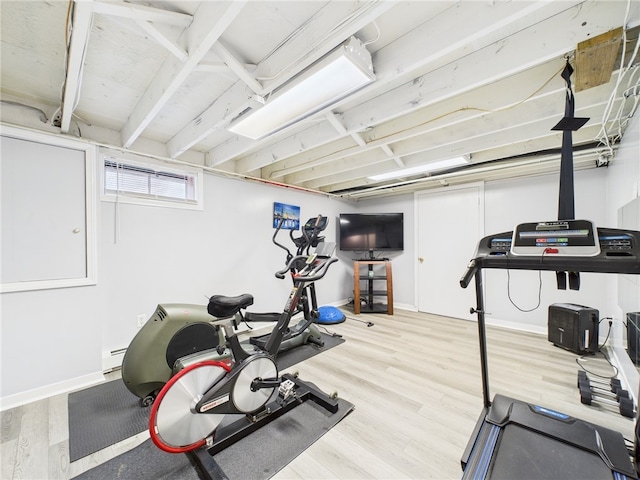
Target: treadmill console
[
  {"x": 569, "y": 238},
  {"x": 618, "y": 252},
  {"x": 500, "y": 245},
  {"x": 317, "y": 224},
  {"x": 613, "y": 243},
  {"x": 620, "y": 244}
]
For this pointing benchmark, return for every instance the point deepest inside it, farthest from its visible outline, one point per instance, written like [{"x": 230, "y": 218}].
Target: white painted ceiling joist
[
  {"x": 210, "y": 119},
  {"x": 141, "y": 12},
  {"x": 209, "y": 22},
  {"x": 78, "y": 44}
]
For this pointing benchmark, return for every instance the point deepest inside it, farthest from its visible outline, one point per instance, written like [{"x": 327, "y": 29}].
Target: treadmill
[{"x": 517, "y": 440}]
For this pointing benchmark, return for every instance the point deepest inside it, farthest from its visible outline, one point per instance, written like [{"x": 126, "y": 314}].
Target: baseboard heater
[
  {"x": 112, "y": 360},
  {"x": 574, "y": 327}
]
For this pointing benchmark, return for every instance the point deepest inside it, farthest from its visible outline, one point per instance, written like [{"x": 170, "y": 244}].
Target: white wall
[
  {"x": 49, "y": 338},
  {"x": 166, "y": 255},
  {"x": 508, "y": 203}
]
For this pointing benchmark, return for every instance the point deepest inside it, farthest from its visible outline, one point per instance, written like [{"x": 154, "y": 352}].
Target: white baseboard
[
  {"x": 523, "y": 327},
  {"x": 340, "y": 303},
  {"x": 22, "y": 398},
  {"x": 404, "y": 306},
  {"x": 346, "y": 303}
]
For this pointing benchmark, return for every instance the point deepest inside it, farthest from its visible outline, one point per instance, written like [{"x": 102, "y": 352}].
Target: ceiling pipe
[{"x": 582, "y": 158}]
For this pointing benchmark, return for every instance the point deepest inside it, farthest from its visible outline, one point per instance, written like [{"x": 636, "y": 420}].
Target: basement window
[{"x": 132, "y": 182}]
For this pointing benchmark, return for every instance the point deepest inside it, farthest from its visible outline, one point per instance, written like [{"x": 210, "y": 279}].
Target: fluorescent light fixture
[
  {"x": 336, "y": 75},
  {"x": 428, "y": 167}
]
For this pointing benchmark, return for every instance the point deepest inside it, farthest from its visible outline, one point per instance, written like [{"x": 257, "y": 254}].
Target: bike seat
[{"x": 221, "y": 306}]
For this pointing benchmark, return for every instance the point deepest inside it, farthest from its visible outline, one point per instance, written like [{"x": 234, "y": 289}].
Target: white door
[{"x": 450, "y": 224}]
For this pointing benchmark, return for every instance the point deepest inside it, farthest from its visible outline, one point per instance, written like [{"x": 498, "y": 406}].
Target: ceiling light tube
[
  {"x": 427, "y": 167},
  {"x": 335, "y": 76}
]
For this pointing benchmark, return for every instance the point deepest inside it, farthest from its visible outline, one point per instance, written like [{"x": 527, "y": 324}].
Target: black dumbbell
[
  {"x": 617, "y": 394},
  {"x": 624, "y": 405},
  {"x": 614, "y": 384}
]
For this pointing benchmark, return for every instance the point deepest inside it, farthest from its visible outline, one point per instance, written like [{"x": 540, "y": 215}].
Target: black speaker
[
  {"x": 633, "y": 336},
  {"x": 574, "y": 327}
]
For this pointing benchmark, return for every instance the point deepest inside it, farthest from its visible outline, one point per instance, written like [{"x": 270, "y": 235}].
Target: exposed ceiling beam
[
  {"x": 319, "y": 156},
  {"x": 447, "y": 114},
  {"x": 506, "y": 170},
  {"x": 335, "y": 122},
  {"x": 238, "y": 68},
  {"x": 141, "y": 12},
  {"x": 440, "y": 140},
  {"x": 512, "y": 146},
  {"x": 373, "y": 161},
  {"x": 396, "y": 62},
  {"x": 144, "y": 17},
  {"x": 227, "y": 107},
  {"x": 387, "y": 149},
  {"x": 209, "y": 22},
  {"x": 514, "y": 54},
  {"x": 220, "y": 67},
  {"x": 173, "y": 48},
  {"x": 312, "y": 42},
  {"x": 517, "y": 53},
  {"x": 78, "y": 43},
  {"x": 436, "y": 139},
  {"x": 321, "y": 134}
]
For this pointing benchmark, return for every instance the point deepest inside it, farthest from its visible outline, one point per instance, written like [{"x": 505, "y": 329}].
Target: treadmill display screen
[{"x": 564, "y": 237}]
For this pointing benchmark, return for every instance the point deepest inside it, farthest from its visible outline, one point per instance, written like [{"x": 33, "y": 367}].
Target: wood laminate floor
[{"x": 415, "y": 382}]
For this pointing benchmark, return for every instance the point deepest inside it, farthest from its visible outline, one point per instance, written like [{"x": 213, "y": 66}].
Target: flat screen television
[{"x": 361, "y": 232}]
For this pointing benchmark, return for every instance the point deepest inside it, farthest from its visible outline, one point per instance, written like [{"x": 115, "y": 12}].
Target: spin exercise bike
[
  {"x": 189, "y": 408},
  {"x": 176, "y": 330}
]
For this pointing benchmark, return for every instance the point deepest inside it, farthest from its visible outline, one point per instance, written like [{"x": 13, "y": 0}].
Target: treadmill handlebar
[{"x": 472, "y": 267}]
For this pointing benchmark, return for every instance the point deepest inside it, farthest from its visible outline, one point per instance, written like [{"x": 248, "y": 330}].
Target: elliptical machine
[
  {"x": 305, "y": 331},
  {"x": 193, "y": 403},
  {"x": 176, "y": 330}
]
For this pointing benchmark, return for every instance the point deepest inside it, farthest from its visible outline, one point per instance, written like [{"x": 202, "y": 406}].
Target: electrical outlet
[{"x": 141, "y": 320}]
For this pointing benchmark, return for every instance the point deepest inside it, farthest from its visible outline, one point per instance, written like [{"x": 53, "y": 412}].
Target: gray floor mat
[
  {"x": 108, "y": 413},
  {"x": 257, "y": 456}
]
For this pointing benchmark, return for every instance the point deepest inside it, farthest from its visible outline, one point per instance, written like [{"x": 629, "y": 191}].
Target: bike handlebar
[
  {"x": 316, "y": 272},
  {"x": 275, "y": 234}
]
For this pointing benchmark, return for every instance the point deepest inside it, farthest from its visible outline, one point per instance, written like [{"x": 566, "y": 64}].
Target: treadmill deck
[{"x": 516, "y": 439}]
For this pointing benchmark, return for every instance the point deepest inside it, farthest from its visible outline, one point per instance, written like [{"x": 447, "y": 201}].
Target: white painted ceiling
[{"x": 478, "y": 78}]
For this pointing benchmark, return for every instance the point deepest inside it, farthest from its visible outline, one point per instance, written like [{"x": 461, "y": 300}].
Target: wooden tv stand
[{"x": 366, "y": 276}]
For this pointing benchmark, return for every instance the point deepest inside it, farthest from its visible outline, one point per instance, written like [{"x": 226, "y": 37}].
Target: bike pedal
[{"x": 286, "y": 389}]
